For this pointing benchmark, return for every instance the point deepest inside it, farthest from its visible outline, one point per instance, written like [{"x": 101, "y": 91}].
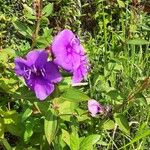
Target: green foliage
[{"x": 116, "y": 37}]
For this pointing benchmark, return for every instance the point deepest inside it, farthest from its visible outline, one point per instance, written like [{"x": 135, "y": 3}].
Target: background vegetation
[{"x": 116, "y": 36}]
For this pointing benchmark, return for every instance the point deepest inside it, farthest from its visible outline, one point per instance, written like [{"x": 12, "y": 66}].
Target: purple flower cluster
[
  {"x": 40, "y": 74},
  {"x": 70, "y": 55}
]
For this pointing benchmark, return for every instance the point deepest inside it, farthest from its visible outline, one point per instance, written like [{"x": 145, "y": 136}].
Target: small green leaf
[
  {"x": 28, "y": 131},
  {"x": 108, "y": 125},
  {"x": 66, "y": 137},
  {"x": 74, "y": 95},
  {"x": 23, "y": 29},
  {"x": 26, "y": 114},
  {"x": 88, "y": 142},
  {"x": 50, "y": 126},
  {"x": 28, "y": 9},
  {"x": 122, "y": 122},
  {"x": 47, "y": 10}
]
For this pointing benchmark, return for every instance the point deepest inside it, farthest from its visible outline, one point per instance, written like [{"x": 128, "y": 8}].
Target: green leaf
[
  {"x": 74, "y": 95},
  {"x": 11, "y": 117},
  {"x": 23, "y": 29},
  {"x": 88, "y": 142},
  {"x": 122, "y": 122},
  {"x": 66, "y": 108},
  {"x": 28, "y": 131},
  {"x": 26, "y": 114},
  {"x": 50, "y": 126},
  {"x": 28, "y": 9},
  {"x": 108, "y": 125},
  {"x": 6, "y": 144},
  {"x": 47, "y": 10},
  {"x": 66, "y": 137},
  {"x": 45, "y": 39},
  {"x": 138, "y": 42},
  {"x": 74, "y": 142}
]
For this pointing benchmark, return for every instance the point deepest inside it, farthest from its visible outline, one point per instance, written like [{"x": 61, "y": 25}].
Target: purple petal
[
  {"x": 37, "y": 58},
  {"x": 68, "y": 61},
  {"x": 93, "y": 107},
  {"x": 52, "y": 73},
  {"x": 61, "y": 41},
  {"x": 79, "y": 73},
  {"x": 77, "y": 76},
  {"x": 20, "y": 66},
  {"x": 43, "y": 89}
]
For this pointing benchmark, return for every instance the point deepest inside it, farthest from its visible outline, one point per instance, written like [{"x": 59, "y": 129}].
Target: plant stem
[{"x": 38, "y": 11}]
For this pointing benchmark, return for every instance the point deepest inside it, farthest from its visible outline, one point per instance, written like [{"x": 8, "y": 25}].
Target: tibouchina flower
[
  {"x": 70, "y": 55},
  {"x": 94, "y": 107},
  {"x": 38, "y": 73}
]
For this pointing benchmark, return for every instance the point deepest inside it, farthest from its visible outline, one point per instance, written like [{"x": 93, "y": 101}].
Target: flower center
[
  {"x": 73, "y": 46},
  {"x": 34, "y": 71}
]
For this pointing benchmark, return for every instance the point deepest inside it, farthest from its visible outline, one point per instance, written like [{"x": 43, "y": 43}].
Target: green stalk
[
  {"x": 38, "y": 11},
  {"x": 105, "y": 37}
]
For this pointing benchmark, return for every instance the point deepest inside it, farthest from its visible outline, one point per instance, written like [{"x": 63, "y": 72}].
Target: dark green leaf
[{"x": 122, "y": 122}]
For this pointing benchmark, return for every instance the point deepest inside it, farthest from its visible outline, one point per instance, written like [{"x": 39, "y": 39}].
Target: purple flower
[
  {"x": 38, "y": 73},
  {"x": 70, "y": 55},
  {"x": 94, "y": 107}
]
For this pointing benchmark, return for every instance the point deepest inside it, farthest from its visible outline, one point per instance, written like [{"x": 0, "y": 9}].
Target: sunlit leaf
[
  {"x": 50, "y": 126},
  {"x": 88, "y": 142}
]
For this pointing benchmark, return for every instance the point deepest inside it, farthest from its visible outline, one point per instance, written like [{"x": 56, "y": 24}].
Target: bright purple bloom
[
  {"x": 94, "y": 107},
  {"x": 70, "y": 55},
  {"x": 38, "y": 73}
]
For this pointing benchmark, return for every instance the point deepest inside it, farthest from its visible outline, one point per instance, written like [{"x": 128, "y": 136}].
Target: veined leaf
[
  {"x": 50, "y": 126},
  {"x": 23, "y": 29}
]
